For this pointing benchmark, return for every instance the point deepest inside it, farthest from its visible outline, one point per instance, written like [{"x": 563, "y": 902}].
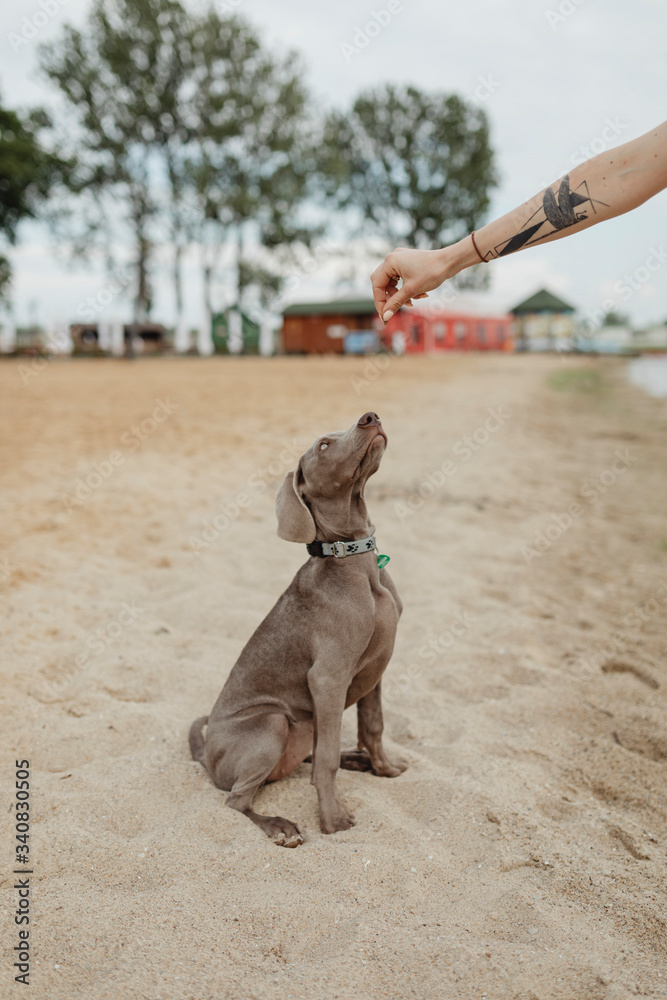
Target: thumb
[{"x": 401, "y": 296}]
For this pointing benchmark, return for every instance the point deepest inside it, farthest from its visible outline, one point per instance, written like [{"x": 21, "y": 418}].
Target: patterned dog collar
[{"x": 341, "y": 549}]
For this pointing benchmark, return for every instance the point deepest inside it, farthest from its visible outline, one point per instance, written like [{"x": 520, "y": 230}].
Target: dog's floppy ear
[{"x": 295, "y": 522}]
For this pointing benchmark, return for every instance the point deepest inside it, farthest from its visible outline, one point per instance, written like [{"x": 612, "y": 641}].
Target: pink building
[{"x": 431, "y": 332}]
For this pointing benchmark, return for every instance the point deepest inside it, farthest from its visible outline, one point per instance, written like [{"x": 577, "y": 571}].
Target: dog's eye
[{"x": 324, "y": 445}]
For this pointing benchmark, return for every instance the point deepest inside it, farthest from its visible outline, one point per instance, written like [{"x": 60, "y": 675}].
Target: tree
[
  {"x": 188, "y": 125},
  {"x": 418, "y": 167},
  {"x": 252, "y": 167},
  {"x": 615, "y": 319},
  {"x": 28, "y": 174},
  {"x": 126, "y": 77}
]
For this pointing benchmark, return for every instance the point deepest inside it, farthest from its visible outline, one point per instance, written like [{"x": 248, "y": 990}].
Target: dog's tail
[{"x": 197, "y": 742}]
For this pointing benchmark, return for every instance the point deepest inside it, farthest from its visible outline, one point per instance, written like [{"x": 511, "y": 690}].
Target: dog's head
[{"x": 329, "y": 475}]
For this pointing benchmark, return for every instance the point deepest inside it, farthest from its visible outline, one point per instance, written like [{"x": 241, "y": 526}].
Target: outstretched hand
[{"x": 419, "y": 271}]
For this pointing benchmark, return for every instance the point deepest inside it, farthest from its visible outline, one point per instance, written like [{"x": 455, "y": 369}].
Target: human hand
[{"x": 420, "y": 271}]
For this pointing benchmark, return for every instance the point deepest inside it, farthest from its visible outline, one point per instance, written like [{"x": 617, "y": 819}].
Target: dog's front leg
[
  {"x": 328, "y": 694},
  {"x": 371, "y": 726}
]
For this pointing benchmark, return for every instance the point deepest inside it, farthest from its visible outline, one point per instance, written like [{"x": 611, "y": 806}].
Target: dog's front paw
[{"x": 338, "y": 819}]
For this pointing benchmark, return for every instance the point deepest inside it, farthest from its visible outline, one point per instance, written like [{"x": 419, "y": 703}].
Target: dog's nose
[{"x": 369, "y": 420}]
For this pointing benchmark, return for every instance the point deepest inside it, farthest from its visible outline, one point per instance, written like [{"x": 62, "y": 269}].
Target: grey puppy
[{"x": 323, "y": 646}]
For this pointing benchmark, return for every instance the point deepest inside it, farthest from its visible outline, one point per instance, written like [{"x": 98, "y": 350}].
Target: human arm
[{"x": 607, "y": 185}]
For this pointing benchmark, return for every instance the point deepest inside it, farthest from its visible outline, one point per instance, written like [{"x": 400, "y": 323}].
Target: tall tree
[
  {"x": 253, "y": 163},
  {"x": 28, "y": 173},
  {"x": 126, "y": 78},
  {"x": 417, "y": 166}
]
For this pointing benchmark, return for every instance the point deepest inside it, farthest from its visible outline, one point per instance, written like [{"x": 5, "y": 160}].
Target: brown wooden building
[{"x": 321, "y": 327}]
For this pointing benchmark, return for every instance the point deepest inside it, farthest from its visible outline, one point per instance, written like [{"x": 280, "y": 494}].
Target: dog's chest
[
  {"x": 375, "y": 657},
  {"x": 386, "y": 621}
]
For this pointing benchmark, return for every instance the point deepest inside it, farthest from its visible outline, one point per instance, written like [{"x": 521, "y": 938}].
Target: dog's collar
[{"x": 341, "y": 549}]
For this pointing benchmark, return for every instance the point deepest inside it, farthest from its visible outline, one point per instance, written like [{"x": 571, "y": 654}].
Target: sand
[{"x": 521, "y": 855}]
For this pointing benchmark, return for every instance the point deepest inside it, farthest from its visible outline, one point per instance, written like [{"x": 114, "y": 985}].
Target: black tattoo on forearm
[{"x": 551, "y": 216}]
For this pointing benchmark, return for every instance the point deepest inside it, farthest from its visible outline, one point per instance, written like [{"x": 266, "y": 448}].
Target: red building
[
  {"x": 322, "y": 328},
  {"x": 425, "y": 331}
]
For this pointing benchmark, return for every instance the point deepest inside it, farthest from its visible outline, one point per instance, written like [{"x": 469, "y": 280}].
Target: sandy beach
[{"x": 522, "y": 854}]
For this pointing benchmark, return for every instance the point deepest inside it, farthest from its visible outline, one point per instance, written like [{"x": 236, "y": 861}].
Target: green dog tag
[{"x": 382, "y": 561}]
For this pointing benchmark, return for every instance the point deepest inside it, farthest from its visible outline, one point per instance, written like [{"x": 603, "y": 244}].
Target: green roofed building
[
  {"x": 543, "y": 322},
  {"x": 321, "y": 327}
]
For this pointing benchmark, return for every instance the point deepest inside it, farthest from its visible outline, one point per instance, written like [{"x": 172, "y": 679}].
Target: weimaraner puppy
[{"x": 324, "y": 645}]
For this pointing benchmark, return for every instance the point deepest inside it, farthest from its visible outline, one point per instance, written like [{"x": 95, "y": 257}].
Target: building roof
[
  {"x": 342, "y": 306},
  {"x": 542, "y": 302}
]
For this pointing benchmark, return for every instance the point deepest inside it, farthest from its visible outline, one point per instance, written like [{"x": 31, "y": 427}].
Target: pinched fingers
[
  {"x": 413, "y": 269},
  {"x": 384, "y": 280},
  {"x": 387, "y": 296}
]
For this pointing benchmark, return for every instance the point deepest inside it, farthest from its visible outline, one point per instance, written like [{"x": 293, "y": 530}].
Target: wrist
[{"x": 458, "y": 257}]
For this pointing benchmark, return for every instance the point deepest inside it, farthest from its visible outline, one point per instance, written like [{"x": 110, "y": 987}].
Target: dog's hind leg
[{"x": 259, "y": 752}]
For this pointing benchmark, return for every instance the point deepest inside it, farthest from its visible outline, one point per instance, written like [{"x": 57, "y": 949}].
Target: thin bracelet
[{"x": 472, "y": 237}]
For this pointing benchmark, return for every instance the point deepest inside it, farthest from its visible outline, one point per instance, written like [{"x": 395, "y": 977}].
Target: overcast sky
[{"x": 558, "y": 80}]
